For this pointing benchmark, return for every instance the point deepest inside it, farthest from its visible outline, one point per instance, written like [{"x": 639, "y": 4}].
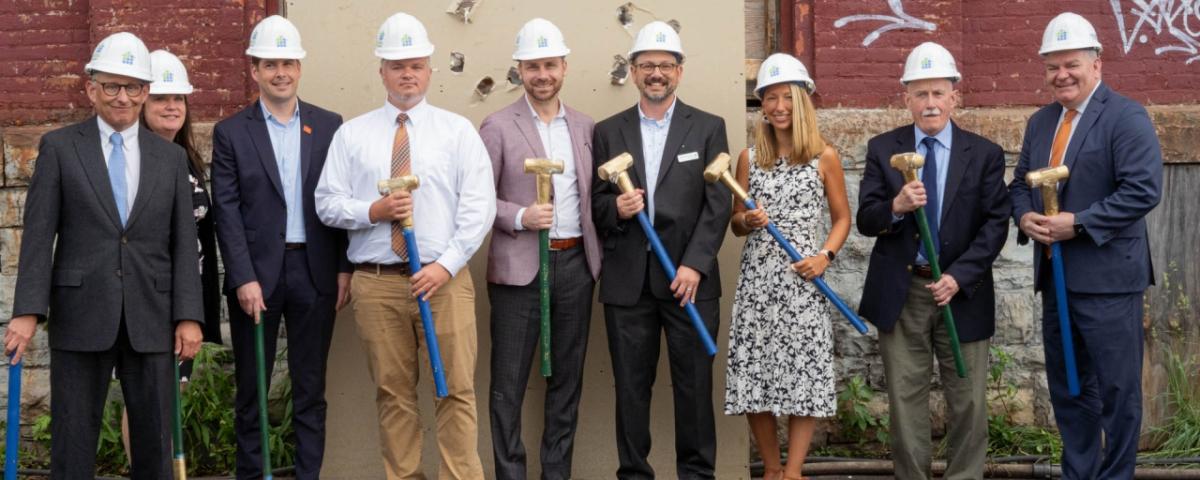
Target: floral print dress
[{"x": 780, "y": 339}]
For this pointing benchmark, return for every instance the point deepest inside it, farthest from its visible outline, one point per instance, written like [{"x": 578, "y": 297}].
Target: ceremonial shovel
[
  {"x": 13, "y": 427},
  {"x": 544, "y": 168},
  {"x": 1046, "y": 179},
  {"x": 260, "y": 367},
  {"x": 180, "y": 461}
]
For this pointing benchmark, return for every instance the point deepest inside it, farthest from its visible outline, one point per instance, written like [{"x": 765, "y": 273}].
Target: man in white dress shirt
[{"x": 451, "y": 212}]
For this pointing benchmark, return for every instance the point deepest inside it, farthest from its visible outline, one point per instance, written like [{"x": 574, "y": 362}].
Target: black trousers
[
  {"x": 634, "y": 335},
  {"x": 79, "y": 388},
  {"x": 516, "y": 326},
  {"x": 309, "y": 318}
]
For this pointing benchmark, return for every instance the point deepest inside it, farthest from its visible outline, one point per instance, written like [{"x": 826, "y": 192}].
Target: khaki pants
[
  {"x": 908, "y": 353},
  {"x": 389, "y": 324}
]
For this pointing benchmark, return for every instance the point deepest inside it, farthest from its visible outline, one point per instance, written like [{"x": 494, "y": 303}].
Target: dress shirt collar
[
  {"x": 416, "y": 114},
  {"x": 130, "y": 135},
  {"x": 271, "y": 117},
  {"x": 562, "y": 109},
  {"x": 666, "y": 117},
  {"x": 943, "y": 137}
]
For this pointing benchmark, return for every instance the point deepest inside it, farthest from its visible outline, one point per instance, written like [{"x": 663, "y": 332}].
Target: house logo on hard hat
[
  {"x": 1061, "y": 35},
  {"x": 542, "y": 42},
  {"x": 99, "y": 48},
  {"x": 127, "y": 58},
  {"x": 926, "y": 64},
  {"x": 661, "y": 37},
  {"x": 168, "y": 76},
  {"x": 379, "y": 40},
  {"x": 280, "y": 41},
  {"x": 773, "y": 71},
  {"x": 405, "y": 40}
]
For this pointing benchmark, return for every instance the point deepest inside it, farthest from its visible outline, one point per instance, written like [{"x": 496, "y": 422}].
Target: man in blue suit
[
  {"x": 1112, "y": 151},
  {"x": 961, "y": 187},
  {"x": 279, "y": 258}
]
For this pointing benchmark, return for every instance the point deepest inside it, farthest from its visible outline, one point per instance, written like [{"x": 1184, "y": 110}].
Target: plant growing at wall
[
  {"x": 1005, "y": 437},
  {"x": 1180, "y": 434},
  {"x": 854, "y": 413}
]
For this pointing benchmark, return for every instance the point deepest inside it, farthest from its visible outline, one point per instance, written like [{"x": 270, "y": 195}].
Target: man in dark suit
[
  {"x": 108, "y": 261},
  {"x": 1115, "y": 162},
  {"x": 539, "y": 125},
  {"x": 280, "y": 259},
  {"x": 670, "y": 142},
  {"x": 961, "y": 187}
]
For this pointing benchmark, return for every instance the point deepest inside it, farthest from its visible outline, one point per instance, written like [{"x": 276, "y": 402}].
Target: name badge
[{"x": 687, "y": 157}]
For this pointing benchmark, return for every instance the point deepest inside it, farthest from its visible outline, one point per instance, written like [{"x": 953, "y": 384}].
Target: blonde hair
[{"x": 806, "y": 139}]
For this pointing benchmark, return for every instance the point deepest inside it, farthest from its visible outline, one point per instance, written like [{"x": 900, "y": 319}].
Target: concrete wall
[{"x": 341, "y": 73}]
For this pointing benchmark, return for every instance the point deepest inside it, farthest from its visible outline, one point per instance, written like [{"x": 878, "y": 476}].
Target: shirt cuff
[
  {"x": 897, "y": 218},
  {"x": 517, "y": 227},
  {"x": 452, "y": 261},
  {"x": 362, "y": 212}
]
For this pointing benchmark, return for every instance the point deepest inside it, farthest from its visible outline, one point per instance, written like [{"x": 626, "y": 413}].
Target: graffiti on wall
[
  {"x": 898, "y": 20},
  {"x": 1180, "y": 19}
]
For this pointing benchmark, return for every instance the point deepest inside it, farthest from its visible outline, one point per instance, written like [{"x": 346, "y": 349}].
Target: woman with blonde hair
[{"x": 780, "y": 341}]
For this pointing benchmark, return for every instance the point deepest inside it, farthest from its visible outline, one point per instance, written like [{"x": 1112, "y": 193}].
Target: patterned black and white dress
[{"x": 780, "y": 345}]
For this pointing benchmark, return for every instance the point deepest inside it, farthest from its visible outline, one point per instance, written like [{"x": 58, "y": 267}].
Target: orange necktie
[
  {"x": 400, "y": 168},
  {"x": 1060, "y": 147},
  {"x": 1061, "y": 138}
]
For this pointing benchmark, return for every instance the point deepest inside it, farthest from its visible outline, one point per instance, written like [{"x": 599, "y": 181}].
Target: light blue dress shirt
[
  {"x": 654, "y": 141},
  {"x": 942, "y": 156},
  {"x": 285, "y": 142}
]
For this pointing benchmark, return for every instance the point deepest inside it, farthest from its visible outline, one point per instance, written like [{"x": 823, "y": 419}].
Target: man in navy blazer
[
  {"x": 280, "y": 259},
  {"x": 961, "y": 187},
  {"x": 1115, "y": 180}
]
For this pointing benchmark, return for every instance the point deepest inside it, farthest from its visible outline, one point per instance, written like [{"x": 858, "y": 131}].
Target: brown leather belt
[
  {"x": 384, "y": 268},
  {"x": 565, "y": 243},
  {"x": 923, "y": 271},
  {"x": 293, "y": 246}
]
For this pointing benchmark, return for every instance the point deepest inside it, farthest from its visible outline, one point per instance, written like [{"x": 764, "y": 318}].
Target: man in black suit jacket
[
  {"x": 279, "y": 258},
  {"x": 901, "y": 299},
  {"x": 109, "y": 263},
  {"x": 670, "y": 142}
]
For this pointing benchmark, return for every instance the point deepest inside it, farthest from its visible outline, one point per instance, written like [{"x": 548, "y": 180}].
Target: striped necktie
[{"x": 400, "y": 167}]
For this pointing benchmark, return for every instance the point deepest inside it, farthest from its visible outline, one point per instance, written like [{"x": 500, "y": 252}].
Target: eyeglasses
[
  {"x": 114, "y": 89},
  {"x": 648, "y": 68}
]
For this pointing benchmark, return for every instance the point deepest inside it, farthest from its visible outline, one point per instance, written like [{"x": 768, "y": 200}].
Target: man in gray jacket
[{"x": 108, "y": 261}]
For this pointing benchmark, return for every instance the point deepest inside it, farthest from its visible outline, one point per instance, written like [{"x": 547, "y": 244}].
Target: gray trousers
[
  {"x": 516, "y": 325},
  {"x": 908, "y": 353}
]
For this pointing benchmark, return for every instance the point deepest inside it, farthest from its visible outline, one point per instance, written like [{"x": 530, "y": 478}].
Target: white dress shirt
[
  {"x": 133, "y": 156},
  {"x": 654, "y": 141},
  {"x": 454, "y": 206},
  {"x": 556, "y": 142}
]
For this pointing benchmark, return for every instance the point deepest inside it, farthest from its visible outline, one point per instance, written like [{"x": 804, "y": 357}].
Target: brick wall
[
  {"x": 45, "y": 44},
  {"x": 995, "y": 43}
]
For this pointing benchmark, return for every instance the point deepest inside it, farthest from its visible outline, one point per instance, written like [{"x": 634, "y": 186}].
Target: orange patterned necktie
[
  {"x": 400, "y": 168},
  {"x": 1061, "y": 138}
]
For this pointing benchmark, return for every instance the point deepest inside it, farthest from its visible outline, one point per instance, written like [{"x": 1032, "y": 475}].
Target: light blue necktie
[{"x": 116, "y": 174}]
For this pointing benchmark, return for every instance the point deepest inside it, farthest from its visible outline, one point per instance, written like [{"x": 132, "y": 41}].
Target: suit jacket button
[
  {"x": 118, "y": 272},
  {"x": 124, "y": 240},
  {"x": 916, "y": 236},
  {"x": 909, "y": 268}
]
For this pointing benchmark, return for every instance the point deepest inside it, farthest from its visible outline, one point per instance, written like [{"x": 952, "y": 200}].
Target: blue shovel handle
[
  {"x": 669, "y": 268},
  {"x": 819, "y": 281},
  {"x": 1064, "y": 318},
  {"x": 13, "y": 427},
  {"x": 431, "y": 341}
]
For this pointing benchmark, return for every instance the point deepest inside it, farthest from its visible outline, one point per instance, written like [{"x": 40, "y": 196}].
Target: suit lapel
[
  {"x": 305, "y": 143},
  {"x": 681, "y": 123},
  {"x": 631, "y": 131},
  {"x": 257, "y": 128},
  {"x": 958, "y": 163},
  {"x": 153, "y": 162},
  {"x": 906, "y": 142},
  {"x": 88, "y": 150},
  {"x": 1094, "y": 108},
  {"x": 524, "y": 121}
]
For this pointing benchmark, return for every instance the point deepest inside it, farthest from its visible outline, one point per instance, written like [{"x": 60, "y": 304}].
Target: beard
[
  {"x": 535, "y": 91},
  {"x": 668, "y": 90}
]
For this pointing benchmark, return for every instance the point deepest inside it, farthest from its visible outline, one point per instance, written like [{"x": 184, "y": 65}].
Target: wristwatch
[{"x": 828, "y": 254}]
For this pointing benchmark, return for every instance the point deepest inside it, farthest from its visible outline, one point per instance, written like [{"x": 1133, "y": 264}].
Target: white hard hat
[
  {"x": 540, "y": 39},
  {"x": 1069, "y": 31},
  {"x": 275, "y": 37},
  {"x": 401, "y": 37},
  {"x": 121, "y": 53},
  {"x": 657, "y": 35},
  {"x": 783, "y": 68},
  {"x": 930, "y": 60},
  {"x": 170, "y": 78}
]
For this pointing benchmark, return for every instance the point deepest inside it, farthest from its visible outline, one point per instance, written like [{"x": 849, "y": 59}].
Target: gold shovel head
[{"x": 716, "y": 167}]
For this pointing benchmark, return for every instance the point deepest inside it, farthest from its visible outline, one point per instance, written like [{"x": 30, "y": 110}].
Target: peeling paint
[
  {"x": 620, "y": 70},
  {"x": 463, "y": 9},
  {"x": 676, "y": 25},
  {"x": 625, "y": 15},
  {"x": 484, "y": 87},
  {"x": 513, "y": 77},
  {"x": 457, "y": 62}
]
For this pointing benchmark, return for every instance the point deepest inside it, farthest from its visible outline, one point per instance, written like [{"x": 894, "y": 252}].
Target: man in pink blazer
[{"x": 539, "y": 125}]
